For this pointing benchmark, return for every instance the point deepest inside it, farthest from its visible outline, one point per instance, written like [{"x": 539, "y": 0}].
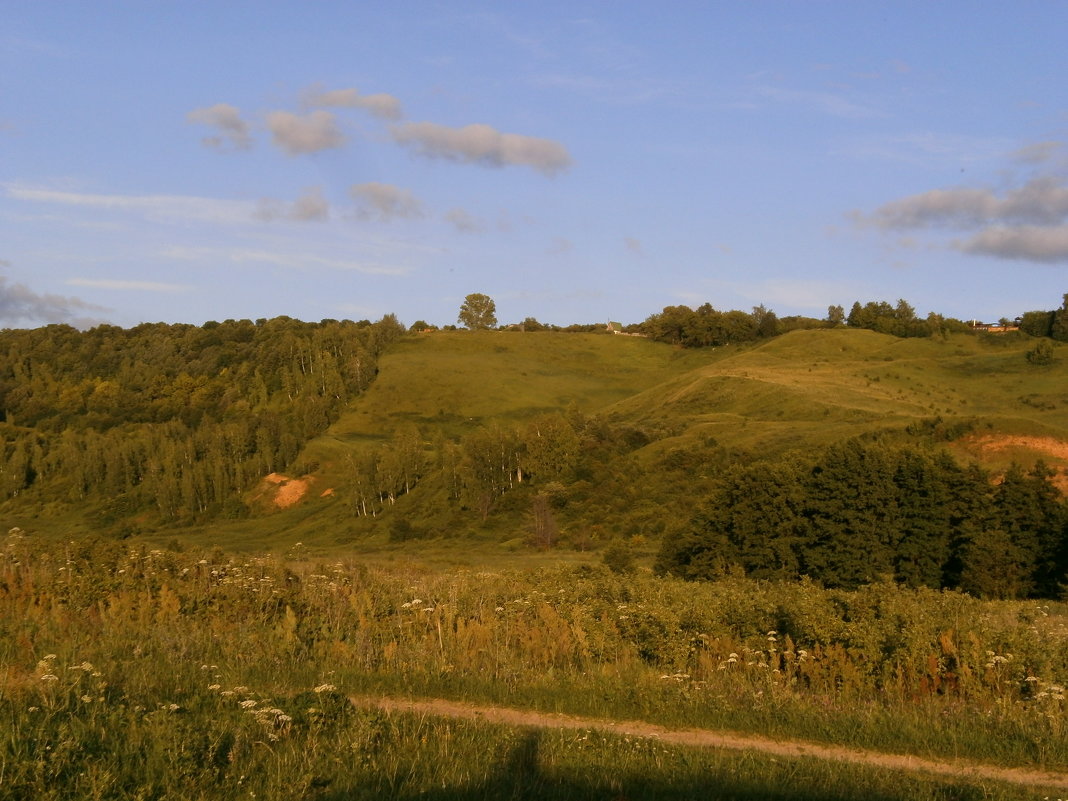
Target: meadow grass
[{"x": 130, "y": 672}]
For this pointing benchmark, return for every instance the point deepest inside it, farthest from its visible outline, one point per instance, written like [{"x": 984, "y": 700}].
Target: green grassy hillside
[
  {"x": 806, "y": 389},
  {"x": 814, "y": 387}
]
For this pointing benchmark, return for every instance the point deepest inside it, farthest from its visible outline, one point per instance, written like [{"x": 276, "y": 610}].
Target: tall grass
[{"x": 127, "y": 672}]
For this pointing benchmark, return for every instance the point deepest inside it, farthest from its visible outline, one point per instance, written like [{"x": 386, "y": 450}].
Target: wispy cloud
[
  {"x": 385, "y": 202},
  {"x": 233, "y": 131},
  {"x": 1024, "y": 243},
  {"x": 312, "y": 206},
  {"x": 464, "y": 222},
  {"x": 931, "y": 148},
  {"x": 1040, "y": 201},
  {"x": 310, "y": 133},
  {"x": 140, "y": 286},
  {"x": 1040, "y": 153},
  {"x": 381, "y": 105},
  {"x": 482, "y": 144},
  {"x": 835, "y": 105},
  {"x": 619, "y": 91},
  {"x": 560, "y": 246},
  {"x": 159, "y": 207},
  {"x": 289, "y": 261},
  {"x": 1027, "y": 223},
  {"x": 21, "y": 305}
]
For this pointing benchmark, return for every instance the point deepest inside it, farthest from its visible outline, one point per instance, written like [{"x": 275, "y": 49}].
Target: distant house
[
  {"x": 617, "y": 328},
  {"x": 993, "y": 328}
]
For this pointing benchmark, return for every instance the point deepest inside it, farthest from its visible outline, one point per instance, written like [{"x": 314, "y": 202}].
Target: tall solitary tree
[{"x": 478, "y": 312}]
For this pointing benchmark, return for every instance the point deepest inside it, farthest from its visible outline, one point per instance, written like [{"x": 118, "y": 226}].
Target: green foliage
[
  {"x": 176, "y": 420},
  {"x": 1059, "y": 325},
  {"x": 862, "y": 511},
  {"x": 705, "y": 327},
  {"x": 619, "y": 558},
  {"x": 1041, "y": 354},
  {"x": 131, "y": 672},
  {"x": 899, "y": 320},
  {"x": 478, "y": 312},
  {"x": 1037, "y": 323}
]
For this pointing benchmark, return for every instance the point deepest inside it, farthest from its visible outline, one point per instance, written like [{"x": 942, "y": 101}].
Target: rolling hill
[{"x": 978, "y": 397}]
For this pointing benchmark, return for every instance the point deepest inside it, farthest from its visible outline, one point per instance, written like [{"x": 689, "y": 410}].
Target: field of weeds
[{"x": 135, "y": 673}]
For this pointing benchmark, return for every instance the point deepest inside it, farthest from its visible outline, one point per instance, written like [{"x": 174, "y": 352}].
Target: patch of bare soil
[
  {"x": 1003, "y": 442},
  {"x": 1042, "y": 447},
  {"x": 707, "y": 738},
  {"x": 286, "y": 491}
]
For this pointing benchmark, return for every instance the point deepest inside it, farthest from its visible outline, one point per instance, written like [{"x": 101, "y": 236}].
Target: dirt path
[{"x": 705, "y": 738}]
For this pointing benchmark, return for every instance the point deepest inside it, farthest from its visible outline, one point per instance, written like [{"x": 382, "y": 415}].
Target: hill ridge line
[{"x": 712, "y": 738}]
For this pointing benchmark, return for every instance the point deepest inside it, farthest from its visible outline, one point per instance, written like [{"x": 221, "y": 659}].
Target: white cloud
[
  {"x": 482, "y": 144},
  {"x": 159, "y": 207},
  {"x": 560, "y": 246},
  {"x": 1029, "y": 223},
  {"x": 142, "y": 286},
  {"x": 1026, "y": 242},
  {"x": 381, "y": 105},
  {"x": 1040, "y": 201},
  {"x": 233, "y": 130},
  {"x": 463, "y": 221},
  {"x": 20, "y": 304},
  {"x": 309, "y": 207},
  {"x": 385, "y": 202},
  {"x": 296, "y": 134},
  {"x": 1039, "y": 152}
]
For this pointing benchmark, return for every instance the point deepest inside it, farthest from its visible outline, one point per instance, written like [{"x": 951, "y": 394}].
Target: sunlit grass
[{"x": 131, "y": 672}]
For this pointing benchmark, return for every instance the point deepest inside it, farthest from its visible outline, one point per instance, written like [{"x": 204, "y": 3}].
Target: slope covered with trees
[{"x": 170, "y": 422}]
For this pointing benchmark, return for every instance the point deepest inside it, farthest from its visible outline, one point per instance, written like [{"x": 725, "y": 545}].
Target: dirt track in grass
[{"x": 706, "y": 738}]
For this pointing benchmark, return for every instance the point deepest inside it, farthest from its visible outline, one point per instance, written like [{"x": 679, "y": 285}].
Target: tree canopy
[{"x": 478, "y": 312}]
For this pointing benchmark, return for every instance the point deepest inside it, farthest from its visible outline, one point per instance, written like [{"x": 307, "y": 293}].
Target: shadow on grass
[{"x": 520, "y": 777}]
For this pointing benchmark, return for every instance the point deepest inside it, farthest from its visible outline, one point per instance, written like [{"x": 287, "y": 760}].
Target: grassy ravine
[
  {"x": 799, "y": 392},
  {"x": 129, "y": 673}
]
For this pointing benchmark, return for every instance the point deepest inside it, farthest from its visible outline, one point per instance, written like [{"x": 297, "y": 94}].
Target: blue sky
[{"x": 576, "y": 161}]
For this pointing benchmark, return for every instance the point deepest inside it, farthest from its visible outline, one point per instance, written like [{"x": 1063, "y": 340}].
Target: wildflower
[
  {"x": 214, "y": 687},
  {"x": 87, "y": 699},
  {"x": 248, "y": 704},
  {"x": 324, "y": 688},
  {"x": 49, "y": 677}
]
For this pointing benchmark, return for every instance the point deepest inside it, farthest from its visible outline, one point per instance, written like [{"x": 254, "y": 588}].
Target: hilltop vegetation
[
  {"x": 560, "y": 442},
  {"x": 169, "y": 423}
]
